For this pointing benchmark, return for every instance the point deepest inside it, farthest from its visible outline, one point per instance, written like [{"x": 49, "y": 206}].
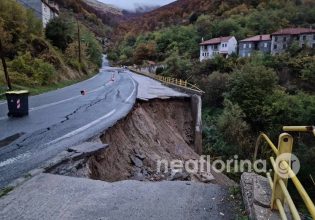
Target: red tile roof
[
  {"x": 217, "y": 40},
  {"x": 294, "y": 31},
  {"x": 264, "y": 37}
]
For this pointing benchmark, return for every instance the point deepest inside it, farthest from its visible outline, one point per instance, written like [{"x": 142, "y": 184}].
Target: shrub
[
  {"x": 159, "y": 70},
  {"x": 235, "y": 130},
  {"x": 61, "y": 32},
  {"x": 215, "y": 87},
  {"x": 249, "y": 87},
  {"x": 37, "y": 70}
]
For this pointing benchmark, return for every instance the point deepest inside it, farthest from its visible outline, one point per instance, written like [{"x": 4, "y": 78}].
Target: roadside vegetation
[
  {"x": 35, "y": 58},
  {"x": 244, "y": 96}
]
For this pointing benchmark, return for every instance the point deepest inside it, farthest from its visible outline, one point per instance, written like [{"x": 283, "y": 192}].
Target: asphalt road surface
[
  {"x": 63, "y": 118},
  {"x": 49, "y": 196}
]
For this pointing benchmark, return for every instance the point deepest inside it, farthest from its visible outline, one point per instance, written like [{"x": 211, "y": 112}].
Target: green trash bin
[{"x": 17, "y": 103}]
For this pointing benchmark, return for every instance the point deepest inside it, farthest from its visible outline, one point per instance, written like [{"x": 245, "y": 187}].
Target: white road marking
[
  {"x": 70, "y": 134},
  {"x": 85, "y": 127},
  {"x": 134, "y": 88},
  {"x": 56, "y": 103},
  {"x": 62, "y": 101},
  {"x": 13, "y": 159}
]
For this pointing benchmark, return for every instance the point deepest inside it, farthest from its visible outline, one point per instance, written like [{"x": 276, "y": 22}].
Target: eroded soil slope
[{"x": 155, "y": 130}]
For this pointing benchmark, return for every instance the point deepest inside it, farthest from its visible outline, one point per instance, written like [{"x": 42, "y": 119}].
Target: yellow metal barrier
[
  {"x": 278, "y": 184},
  {"x": 172, "y": 81}
]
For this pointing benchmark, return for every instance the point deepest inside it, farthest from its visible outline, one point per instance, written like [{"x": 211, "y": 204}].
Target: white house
[
  {"x": 45, "y": 10},
  {"x": 221, "y": 45}
]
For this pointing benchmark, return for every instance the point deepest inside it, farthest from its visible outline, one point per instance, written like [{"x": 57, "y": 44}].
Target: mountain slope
[{"x": 106, "y": 8}]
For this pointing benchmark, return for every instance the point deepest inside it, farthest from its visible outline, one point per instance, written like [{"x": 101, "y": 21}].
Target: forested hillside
[
  {"x": 39, "y": 59},
  {"x": 243, "y": 95}
]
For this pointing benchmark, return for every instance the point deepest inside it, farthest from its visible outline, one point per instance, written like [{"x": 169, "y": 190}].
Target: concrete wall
[
  {"x": 196, "y": 107},
  {"x": 307, "y": 40},
  {"x": 246, "y": 49},
  {"x": 280, "y": 43}
]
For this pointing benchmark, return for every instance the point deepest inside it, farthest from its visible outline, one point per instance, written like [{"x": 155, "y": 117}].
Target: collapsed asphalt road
[{"x": 63, "y": 118}]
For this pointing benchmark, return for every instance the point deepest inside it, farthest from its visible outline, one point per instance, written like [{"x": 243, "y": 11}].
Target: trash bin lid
[{"x": 18, "y": 92}]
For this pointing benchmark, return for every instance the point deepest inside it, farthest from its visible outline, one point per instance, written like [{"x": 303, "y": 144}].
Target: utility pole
[
  {"x": 79, "y": 41},
  {"x": 5, "y": 68}
]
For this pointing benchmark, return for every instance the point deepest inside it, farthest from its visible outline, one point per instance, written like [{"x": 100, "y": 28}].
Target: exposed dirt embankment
[{"x": 155, "y": 130}]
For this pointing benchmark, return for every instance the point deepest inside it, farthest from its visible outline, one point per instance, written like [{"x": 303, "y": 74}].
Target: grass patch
[{"x": 5, "y": 191}]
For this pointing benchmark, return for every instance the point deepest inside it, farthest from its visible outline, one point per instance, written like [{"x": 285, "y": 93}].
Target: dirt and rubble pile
[{"x": 155, "y": 130}]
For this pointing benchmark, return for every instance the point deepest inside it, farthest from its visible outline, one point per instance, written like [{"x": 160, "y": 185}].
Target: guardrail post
[{"x": 284, "y": 146}]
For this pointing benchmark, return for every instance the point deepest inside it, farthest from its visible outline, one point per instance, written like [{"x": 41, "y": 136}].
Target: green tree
[
  {"x": 249, "y": 87},
  {"x": 216, "y": 86},
  {"x": 144, "y": 51},
  {"x": 14, "y": 24},
  {"x": 235, "y": 130},
  {"x": 178, "y": 66},
  {"x": 5, "y": 47},
  {"x": 61, "y": 32}
]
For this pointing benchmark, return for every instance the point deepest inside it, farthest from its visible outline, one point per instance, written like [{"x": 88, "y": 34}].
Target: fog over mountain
[{"x": 137, "y": 5}]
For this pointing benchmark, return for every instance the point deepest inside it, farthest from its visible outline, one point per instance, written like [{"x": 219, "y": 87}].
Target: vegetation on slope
[
  {"x": 243, "y": 95},
  {"x": 34, "y": 58}
]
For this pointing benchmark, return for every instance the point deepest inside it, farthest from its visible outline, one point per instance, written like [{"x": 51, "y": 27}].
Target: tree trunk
[{"x": 5, "y": 68}]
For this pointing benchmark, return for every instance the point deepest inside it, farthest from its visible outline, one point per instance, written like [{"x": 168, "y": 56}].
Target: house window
[
  {"x": 248, "y": 54},
  {"x": 314, "y": 37},
  {"x": 265, "y": 45},
  {"x": 275, "y": 46},
  {"x": 244, "y": 46},
  {"x": 284, "y": 39},
  {"x": 313, "y": 45},
  {"x": 276, "y": 38},
  {"x": 205, "y": 47},
  {"x": 284, "y": 46},
  {"x": 303, "y": 45},
  {"x": 304, "y": 37},
  {"x": 249, "y": 45}
]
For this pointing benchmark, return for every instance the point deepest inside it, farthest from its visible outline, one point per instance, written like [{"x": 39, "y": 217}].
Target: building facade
[
  {"x": 260, "y": 43},
  {"x": 218, "y": 46},
  {"x": 282, "y": 39},
  {"x": 45, "y": 10}
]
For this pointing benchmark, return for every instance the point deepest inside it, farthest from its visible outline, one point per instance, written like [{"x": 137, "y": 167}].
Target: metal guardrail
[
  {"x": 278, "y": 184},
  {"x": 171, "y": 81}
]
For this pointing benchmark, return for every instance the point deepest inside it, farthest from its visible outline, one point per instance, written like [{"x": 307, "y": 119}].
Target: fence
[
  {"x": 172, "y": 81},
  {"x": 278, "y": 184}
]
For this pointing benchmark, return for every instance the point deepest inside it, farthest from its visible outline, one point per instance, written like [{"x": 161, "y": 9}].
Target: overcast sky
[{"x": 132, "y": 4}]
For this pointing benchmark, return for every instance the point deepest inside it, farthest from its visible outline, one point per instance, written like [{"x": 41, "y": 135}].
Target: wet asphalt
[{"x": 63, "y": 118}]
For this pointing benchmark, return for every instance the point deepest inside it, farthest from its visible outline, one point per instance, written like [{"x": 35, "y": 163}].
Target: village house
[
  {"x": 45, "y": 10},
  {"x": 282, "y": 39},
  {"x": 260, "y": 43},
  {"x": 222, "y": 45}
]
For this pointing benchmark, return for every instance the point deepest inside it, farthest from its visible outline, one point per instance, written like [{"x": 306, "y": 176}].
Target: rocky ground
[{"x": 137, "y": 142}]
